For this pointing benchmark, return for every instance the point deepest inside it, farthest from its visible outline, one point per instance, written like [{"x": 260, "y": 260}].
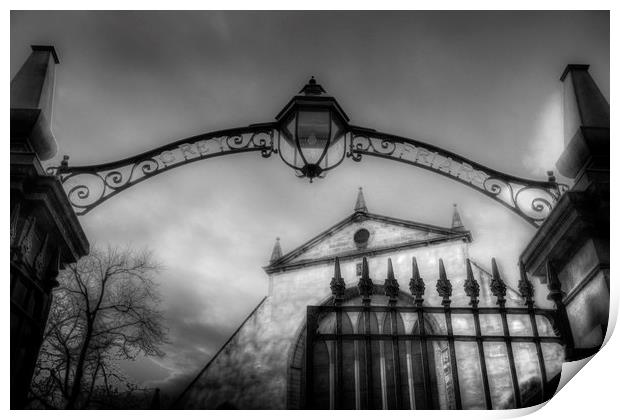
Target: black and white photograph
[{"x": 307, "y": 209}]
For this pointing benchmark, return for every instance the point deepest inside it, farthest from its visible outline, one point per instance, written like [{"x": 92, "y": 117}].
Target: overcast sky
[{"x": 484, "y": 85}]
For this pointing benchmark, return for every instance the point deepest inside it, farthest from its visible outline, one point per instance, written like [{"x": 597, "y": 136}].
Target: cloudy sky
[{"x": 484, "y": 85}]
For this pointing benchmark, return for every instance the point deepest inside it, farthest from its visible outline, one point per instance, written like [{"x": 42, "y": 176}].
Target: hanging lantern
[{"x": 312, "y": 132}]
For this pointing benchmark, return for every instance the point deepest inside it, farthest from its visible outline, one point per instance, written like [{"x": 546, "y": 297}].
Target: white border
[{"x": 592, "y": 394}]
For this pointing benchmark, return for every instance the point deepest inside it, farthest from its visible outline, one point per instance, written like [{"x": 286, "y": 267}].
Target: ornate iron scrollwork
[
  {"x": 532, "y": 200},
  {"x": 89, "y": 186}
]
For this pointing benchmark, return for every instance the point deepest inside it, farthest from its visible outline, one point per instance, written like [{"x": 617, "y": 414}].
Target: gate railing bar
[
  {"x": 366, "y": 289},
  {"x": 444, "y": 288},
  {"x": 311, "y": 325},
  {"x": 337, "y": 286},
  {"x": 367, "y": 348},
  {"x": 396, "y": 359},
  {"x": 527, "y": 291},
  {"x": 498, "y": 288},
  {"x": 416, "y": 286},
  {"x": 338, "y": 369},
  {"x": 391, "y": 290},
  {"x": 472, "y": 289}
]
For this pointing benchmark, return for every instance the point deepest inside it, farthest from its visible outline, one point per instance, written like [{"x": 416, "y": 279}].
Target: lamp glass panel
[
  {"x": 336, "y": 149},
  {"x": 288, "y": 129},
  {"x": 287, "y": 146},
  {"x": 313, "y": 131}
]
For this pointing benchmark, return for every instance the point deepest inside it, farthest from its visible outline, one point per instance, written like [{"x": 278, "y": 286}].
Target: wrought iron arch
[{"x": 89, "y": 186}]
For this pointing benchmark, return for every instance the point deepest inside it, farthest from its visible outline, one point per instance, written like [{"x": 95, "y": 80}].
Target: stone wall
[
  {"x": 249, "y": 371},
  {"x": 585, "y": 280}
]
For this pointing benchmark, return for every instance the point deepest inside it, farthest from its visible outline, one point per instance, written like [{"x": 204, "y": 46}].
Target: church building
[{"x": 380, "y": 313}]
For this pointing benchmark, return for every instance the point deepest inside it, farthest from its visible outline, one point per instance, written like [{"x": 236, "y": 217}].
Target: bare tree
[{"x": 104, "y": 310}]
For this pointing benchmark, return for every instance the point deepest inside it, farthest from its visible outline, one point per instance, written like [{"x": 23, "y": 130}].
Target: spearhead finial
[
  {"x": 472, "y": 288},
  {"x": 365, "y": 284},
  {"x": 337, "y": 285},
  {"x": 365, "y": 271},
  {"x": 444, "y": 287},
  {"x": 442, "y": 271},
  {"x": 498, "y": 287},
  {"x": 391, "y": 285},
  {"x": 416, "y": 284},
  {"x": 526, "y": 289},
  {"x": 390, "y": 270}
]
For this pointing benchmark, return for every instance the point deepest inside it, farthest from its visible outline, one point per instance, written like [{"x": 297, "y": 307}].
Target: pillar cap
[
  {"x": 49, "y": 48},
  {"x": 570, "y": 67},
  {"x": 32, "y": 92}
]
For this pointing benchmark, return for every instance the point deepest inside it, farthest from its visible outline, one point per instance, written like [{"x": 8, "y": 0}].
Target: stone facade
[{"x": 261, "y": 365}]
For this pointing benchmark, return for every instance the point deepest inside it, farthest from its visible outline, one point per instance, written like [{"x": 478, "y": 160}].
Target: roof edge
[
  {"x": 284, "y": 266},
  {"x": 359, "y": 215},
  {"x": 203, "y": 370}
]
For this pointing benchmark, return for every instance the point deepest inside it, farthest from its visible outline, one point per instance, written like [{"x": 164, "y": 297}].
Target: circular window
[{"x": 361, "y": 237}]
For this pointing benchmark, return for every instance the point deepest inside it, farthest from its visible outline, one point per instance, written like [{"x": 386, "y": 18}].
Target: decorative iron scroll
[
  {"x": 89, "y": 186},
  {"x": 532, "y": 200}
]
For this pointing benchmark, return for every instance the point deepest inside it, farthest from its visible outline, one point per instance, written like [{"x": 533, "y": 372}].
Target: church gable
[{"x": 364, "y": 232}]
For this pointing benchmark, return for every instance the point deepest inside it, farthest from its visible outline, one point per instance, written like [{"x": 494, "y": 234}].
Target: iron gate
[{"x": 368, "y": 367}]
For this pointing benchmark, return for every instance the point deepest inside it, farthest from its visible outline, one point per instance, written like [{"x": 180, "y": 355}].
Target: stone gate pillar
[
  {"x": 45, "y": 232},
  {"x": 570, "y": 251}
]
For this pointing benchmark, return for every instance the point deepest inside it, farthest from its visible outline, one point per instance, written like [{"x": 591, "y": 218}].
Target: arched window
[
  {"x": 365, "y": 376},
  {"x": 381, "y": 354},
  {"x": 392, "y": 368},
  {"x": 324, "y": 380}
]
